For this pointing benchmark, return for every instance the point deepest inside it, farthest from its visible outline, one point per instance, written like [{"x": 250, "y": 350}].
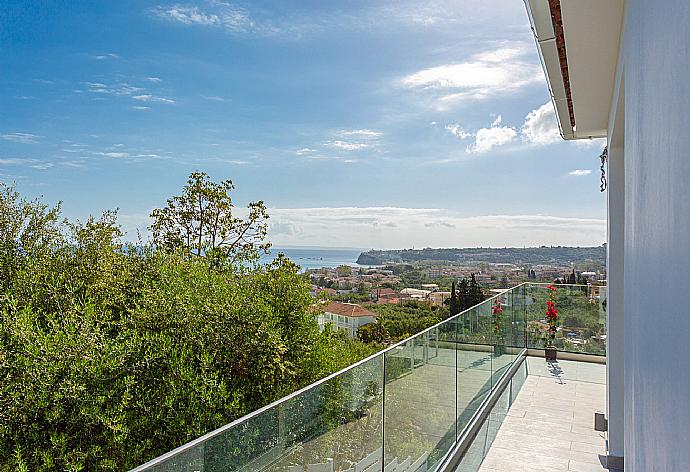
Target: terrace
[{"x": 461, "y": 395}]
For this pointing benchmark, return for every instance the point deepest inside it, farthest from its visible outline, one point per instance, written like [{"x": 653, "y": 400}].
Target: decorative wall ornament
[{"x": 604, "y": 157}]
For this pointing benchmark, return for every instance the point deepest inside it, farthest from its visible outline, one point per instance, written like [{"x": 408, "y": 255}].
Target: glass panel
[
  {"x": 254, "y": 442},
  {"x": 403, "y": 409},
  {"x": 474, "y": 363},
  {"x": 502, "y": 314},
  {"x": 336, "y": 425},
  {"x": 581, "y": 314},
  {"x": 333, "y": 426},
  {"x": 473, "y": 459},
  {"x": 191, "y": 460},
  {"x": 420, "y": 400}
]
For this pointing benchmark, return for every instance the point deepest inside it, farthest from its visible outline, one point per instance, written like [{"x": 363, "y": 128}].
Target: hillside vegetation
[
  {"x": 532, "y": 255},
  {"x": 113, "y": 353}
]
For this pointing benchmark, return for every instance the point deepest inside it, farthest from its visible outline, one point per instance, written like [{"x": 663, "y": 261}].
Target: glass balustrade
[{"x": 404, "y": 408}]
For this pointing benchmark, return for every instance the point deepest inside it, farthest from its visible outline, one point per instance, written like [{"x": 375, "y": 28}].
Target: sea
[{"x": 317, "y": 258}]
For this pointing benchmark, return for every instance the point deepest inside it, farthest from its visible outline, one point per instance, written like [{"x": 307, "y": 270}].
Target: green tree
[
  {"x": 202, "y": 221},
  {"x": 464, "y": 294},
  {"x": 454, "y": 303},
  {"x": 28, "y": 229},
  {"x": 373, "y": 332},
  {"x": 475, "y": 294},
  {"x": 344, "y": 271},
  {"x": 113, "y": 353}
]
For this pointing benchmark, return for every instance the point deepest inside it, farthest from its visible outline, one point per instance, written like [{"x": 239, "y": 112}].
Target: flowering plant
[
  {"x": 497, "y": 320},
  {"x": 551, "y": 317}
]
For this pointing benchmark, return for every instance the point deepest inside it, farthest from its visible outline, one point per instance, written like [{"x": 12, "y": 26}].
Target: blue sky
[{"x": 361, "y": 124}]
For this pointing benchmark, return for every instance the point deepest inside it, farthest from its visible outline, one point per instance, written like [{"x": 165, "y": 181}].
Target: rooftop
[{"x": 348, "y": 309}]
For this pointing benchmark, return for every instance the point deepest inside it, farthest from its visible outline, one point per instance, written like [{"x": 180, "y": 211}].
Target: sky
[{"x": 365, "y": 124}]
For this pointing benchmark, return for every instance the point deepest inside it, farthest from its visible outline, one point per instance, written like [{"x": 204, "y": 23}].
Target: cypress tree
[
  {"x": 454, "y": 302},
  {"x": 475, "y": 293},
  {"x": 464, "y": 294}
]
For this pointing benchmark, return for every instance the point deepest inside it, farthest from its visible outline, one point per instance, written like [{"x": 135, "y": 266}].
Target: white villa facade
[
  {"x": 347, "y": 317},
  {"x": 621, "y": 70}
]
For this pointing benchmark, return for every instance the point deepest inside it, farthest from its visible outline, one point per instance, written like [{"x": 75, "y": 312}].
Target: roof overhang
[{"x": 578, "y": 43}]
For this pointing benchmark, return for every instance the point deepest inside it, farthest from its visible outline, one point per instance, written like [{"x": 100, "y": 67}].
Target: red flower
[{"x": 551, "y": 287}]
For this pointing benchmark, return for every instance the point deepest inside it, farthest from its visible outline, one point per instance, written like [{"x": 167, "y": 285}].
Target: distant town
[
  {"x": 427, "y": 274},
  {"x": 422, "y": 279}
]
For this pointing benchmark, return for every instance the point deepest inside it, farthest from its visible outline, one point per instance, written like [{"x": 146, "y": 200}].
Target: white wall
[
  {"x": 657, "y": 235},
  {"x": 615, "y": 314}
]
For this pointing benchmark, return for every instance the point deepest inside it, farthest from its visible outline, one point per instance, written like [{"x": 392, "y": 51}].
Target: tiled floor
[
  {"x": 567, "y": 370},
  {"x": 550, "y": 426}
]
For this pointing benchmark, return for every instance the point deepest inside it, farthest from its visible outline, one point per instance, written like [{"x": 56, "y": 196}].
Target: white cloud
[
  {"x": 362, "y": 133},
  {"x": 141, "y": 108},
  {"x": 216, "y": 98},
  {"x": 26, "y": 161},
  {"x": 125, "y": 90},
  {"x": 154, "y": 79},
  {"x": 23, "y": 138},
  {"x": 487, "y": 138},
  {"x": 305, "y": 151},
  {"x": 541, "y": 127},
  {"x": 42, "y": 166},
  {"x": 119, "y": 152},
  {"x": 457, "y": 131},
  {"x": 120, "y": 89},
  {"x": 323, "y": 157},
  {"x": 355, "y": 139},
  {"x": 580, "y": 172},
  {"x": 347, "y": 145},
  {"x": 14, "y": 161},
  {"x": 391, "y": 227},
  {"x": 113, "y": 154},
  {"x": 109, "y": 55},
  {"x": 219, "y": 14},
  {"x": 135, "y": 223},
  {"x": 492, "y": 73},
  {"x": 152, "y": 98},
  {"x": 188, "y": 15}
]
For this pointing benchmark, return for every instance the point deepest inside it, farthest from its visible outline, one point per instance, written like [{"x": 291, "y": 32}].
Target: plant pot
[
  {"x": 499, "y": 349},
  {"x": 550, "y": 353}
]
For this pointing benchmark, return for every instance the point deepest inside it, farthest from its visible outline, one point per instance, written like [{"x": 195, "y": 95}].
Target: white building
[
  {"x": 415, "y": 293},
  {"x": 346, "y": 317},
  {"x": 621, "y": 70}
]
